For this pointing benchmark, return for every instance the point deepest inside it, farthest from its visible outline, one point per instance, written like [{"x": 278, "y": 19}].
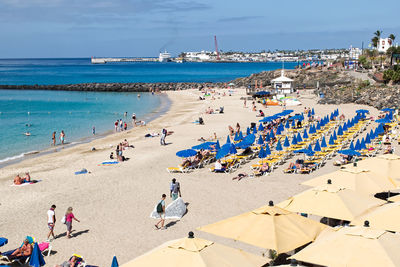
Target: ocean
[{"x": 42, "y": 112}]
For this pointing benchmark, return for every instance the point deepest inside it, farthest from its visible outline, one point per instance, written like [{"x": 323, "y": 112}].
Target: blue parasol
[
  {"x": 368, "y": 139},
  {"x": 294, "y": 140},
  {"x": 217, "y": 145},
  {"x": 205, "y": 145},
  {"x": 261, "y": 127},
  {"x": 287, "y": 125},
  {"x": 352, "y": 146},
  {"x": 340, "y": 131},
  {"x": 312, "y": 112},
  {"x": 363, "y": 146},
  {"x": 223, "y": 152},
  {"x": 305, "y": 151},
  {"x": 186, "y": 153},
  {"x": 267, "y": 137},
  {"x": 349, "y": 152},
  {"x": 362, "y": 111},
  {"x": 248, "y": 131},
  {"x": 3, "y": 241},
  {"x": 358, "y": 145},
  {"x": 286, "y": 142},
  {"x": 278, "y": 131},
  {"x": 299, "y": 139},
  {"x": 293, "y": 124},
  {"x": 36, "y": 259},
  {"x": 267, "y": 150},
  {"x": 260, "y": 141},
  {"x": 317, "y": 147},
  {"x": 305, "y": 134},
  {"x": 228, "y": 140},
  {"x": 262, "y": 153},
  {"x": 334, "y": 135},
  {"x": 279, "y": 146},
  {"x": 114, "y": 262},
  {"x": 323, "y": 142}
]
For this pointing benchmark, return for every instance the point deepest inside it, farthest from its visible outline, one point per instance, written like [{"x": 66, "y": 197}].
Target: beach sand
[{"x": 114, "y": 202}]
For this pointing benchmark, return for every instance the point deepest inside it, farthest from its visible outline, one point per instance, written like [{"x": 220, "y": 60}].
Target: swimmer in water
[
  {"x": 138, "y": 95},
  {"x": 27, "y": 133}
]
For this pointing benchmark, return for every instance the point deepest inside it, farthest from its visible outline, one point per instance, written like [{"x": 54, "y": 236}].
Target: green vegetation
[{"x": 392, "y": 75}]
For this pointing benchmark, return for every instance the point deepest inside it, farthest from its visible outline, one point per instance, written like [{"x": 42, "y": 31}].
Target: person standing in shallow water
[
  {"x": 54, "y": 138},
  {"x": 62, "y": 137}
]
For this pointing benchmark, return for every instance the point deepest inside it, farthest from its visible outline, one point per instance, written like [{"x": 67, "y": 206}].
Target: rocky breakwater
[{"x": 115, "y": 87}]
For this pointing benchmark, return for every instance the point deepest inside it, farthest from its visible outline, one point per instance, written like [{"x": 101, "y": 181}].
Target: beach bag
[
  {"x": 63, "y": 219},
  {"x": 159, "y": 208}
]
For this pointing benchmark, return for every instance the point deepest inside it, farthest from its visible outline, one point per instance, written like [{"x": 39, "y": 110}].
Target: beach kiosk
[{"x": 282, "y": 85}]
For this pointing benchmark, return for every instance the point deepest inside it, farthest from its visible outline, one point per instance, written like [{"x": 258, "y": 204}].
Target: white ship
[{"x": 164, "y": 57}]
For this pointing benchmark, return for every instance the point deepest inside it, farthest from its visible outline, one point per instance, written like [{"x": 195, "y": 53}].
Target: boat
[{"x": 164, "y": 56}]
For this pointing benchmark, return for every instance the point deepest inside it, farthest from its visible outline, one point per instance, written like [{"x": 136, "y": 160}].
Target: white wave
[{"x": 18, "y": 156}]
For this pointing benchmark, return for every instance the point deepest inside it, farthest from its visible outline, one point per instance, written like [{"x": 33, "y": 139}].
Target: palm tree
[
  {"x": 375, "y": 41},
  {"x": 378, "y": 33},
  {"x": 392, "y": 36}
]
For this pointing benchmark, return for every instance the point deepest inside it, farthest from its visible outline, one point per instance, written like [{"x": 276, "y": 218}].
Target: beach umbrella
[
  {"x": 267, "y": 137},
  {"x": 278, "y": 131},
  {"x": 367, "y": 139},
  {"x": 352, "y": 247},
  {"x": 385, "y": 217},
  {"x": 236, "y": 136},
  {"x": 309, "y": 147},
  {"x": 340, "y": 131},
  {"x": 362, "y": 111},
  {"x": 317, "y": 147},
  {"x": 243, "y": 144},
  {"x": 268, "y": 227},
  {"x": 387, "y": 109},
  {"x": 386, "y": 165},
  {"x": 279, "y": 146},
  {"x": 357, "y": 179},
  {"x": 262, "y": 154},
  {"x": 186, "y": 153},
  {"x": 331, "y": 201},
  {"x": 281, "y": 127},
  {"x": 358, "y": 145},
  {"x": 312, "y": 112},
  {"x": 217, "y": 145},
  {"x": 254, "y": 130},
  {"x": 362, "y": 145},
  {"x": 380, "y": 129},
  {"x": 305, "y": 134},
  {"x": 318, "y": 126},
  {"x": 261, "y": 127},
  {"x": 352, "y": 146},
  {"x": 196, "y": 252},
  {"x": 294, "y": 140},
  {"x": 114, "y": 262},
  {"x": 334, "y": 135},
  {"x": 286, "y": 142},
  {"x": 299, "y": 139},
  {"x": 260, "y": 141},
  {"x": 390, "y": 115},
  {"x": 36, "y": 259},
  {"x": 287, "y": 125},
  {"x": 372, "y": 134},
  {"x": 3, "y": 241},
  {"x": 223, "y": 152},
  {"x": 323, "y": 142},
  {"x": 331, "y": 140},
  {"x": 311, "y": 130},
  {"x": 272, "y": 135},
  {"x": 228, "y": 140},
  {"x": 267, "y": 150},
  {"x": 232, "y": 150},
  {"x": 304, "y": 151},
  {"x": 345, "y": 128},
  {"x": 251, "y": 138},
  {"x": 248, "y": 131},
  {"x": 384, "y": 120},
  {"x": 205, "y": 145},
  {"x": 293, "y": 124},
  {"x": 349, "y": 152}
]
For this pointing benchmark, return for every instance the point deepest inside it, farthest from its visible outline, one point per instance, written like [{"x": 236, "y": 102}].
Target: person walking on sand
[
  {"x": 69, "y": 216},
  {"x": 62, "y": 137},
  {"x": 51, "y": 221},
  {"x": 175, "y": 190},
  {"x": 53, "y": 137},
  {"x": 163, "y": 135},
  {"x": 161, "y": 212}
]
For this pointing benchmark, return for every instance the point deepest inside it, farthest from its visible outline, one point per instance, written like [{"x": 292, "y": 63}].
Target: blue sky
[{"x": 84, "y": 28}]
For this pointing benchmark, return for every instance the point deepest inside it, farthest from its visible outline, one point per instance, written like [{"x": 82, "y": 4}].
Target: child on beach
[{"x": 69, "y": 216}]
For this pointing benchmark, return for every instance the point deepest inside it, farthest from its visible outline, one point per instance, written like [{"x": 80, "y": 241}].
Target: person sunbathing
[
  {"x": 264, "y": 168},
  {"x": 18, "y": 180},
  {"x": 218, "y": 167},
  {"x": 27, "y": 177},
  {"x": 260, "y": 114},
  {"x": 70, "y": 263},
  {"x": 24, "y": 251},
  {"x": 388, "y": 150}
]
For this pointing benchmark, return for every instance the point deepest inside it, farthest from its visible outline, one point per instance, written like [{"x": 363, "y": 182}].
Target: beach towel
[
  {"x": 175, "y": 210},
  {"x": 83, "y": 171},
  {"x": 109, "y": 162},
  {"x": 27, "y": 183}
]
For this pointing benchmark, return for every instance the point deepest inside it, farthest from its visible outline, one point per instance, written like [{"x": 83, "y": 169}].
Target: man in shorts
[
  {"x": 161, "y": 212},
  {"x": 51, "y": 220},
  {"x": 175, "y": 190}
]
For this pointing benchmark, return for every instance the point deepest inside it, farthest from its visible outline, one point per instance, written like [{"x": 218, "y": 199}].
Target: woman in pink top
[{"x": 68, "y": 221}]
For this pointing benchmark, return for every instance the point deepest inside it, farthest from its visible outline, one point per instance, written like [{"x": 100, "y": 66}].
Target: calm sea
[{"x": 42, "y": 112}]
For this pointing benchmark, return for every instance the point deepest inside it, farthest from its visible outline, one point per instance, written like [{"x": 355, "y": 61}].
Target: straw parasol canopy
[
  {"x": 196, "y": 252},
  {"x": 358, "y": 179},
  {"x": 386, "y": 165},
  {"x": 386, "y": 217},
  {"x": 331, "y": 201},
  {"x": 268, "y": 227},
  {"x": 353, "y": 247}
]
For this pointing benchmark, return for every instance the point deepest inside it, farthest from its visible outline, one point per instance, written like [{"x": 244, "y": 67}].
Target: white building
[
  {"x": 384, "y": 44},
  {"x": 354, "y": 52},
  {"x": 282, "y": 84}
]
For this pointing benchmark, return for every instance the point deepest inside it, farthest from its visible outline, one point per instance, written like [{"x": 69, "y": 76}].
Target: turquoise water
[
  {"x": 77, "y": 112},
  {"x": 74, "y": 112},
  {"x": 67, "y": 71}
]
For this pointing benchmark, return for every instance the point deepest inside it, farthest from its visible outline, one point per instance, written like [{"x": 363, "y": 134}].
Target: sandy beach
[{"x": 114, "y": 202}]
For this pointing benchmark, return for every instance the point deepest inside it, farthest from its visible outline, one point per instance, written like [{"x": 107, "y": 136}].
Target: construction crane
[{"x": 216, "y": 47}]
